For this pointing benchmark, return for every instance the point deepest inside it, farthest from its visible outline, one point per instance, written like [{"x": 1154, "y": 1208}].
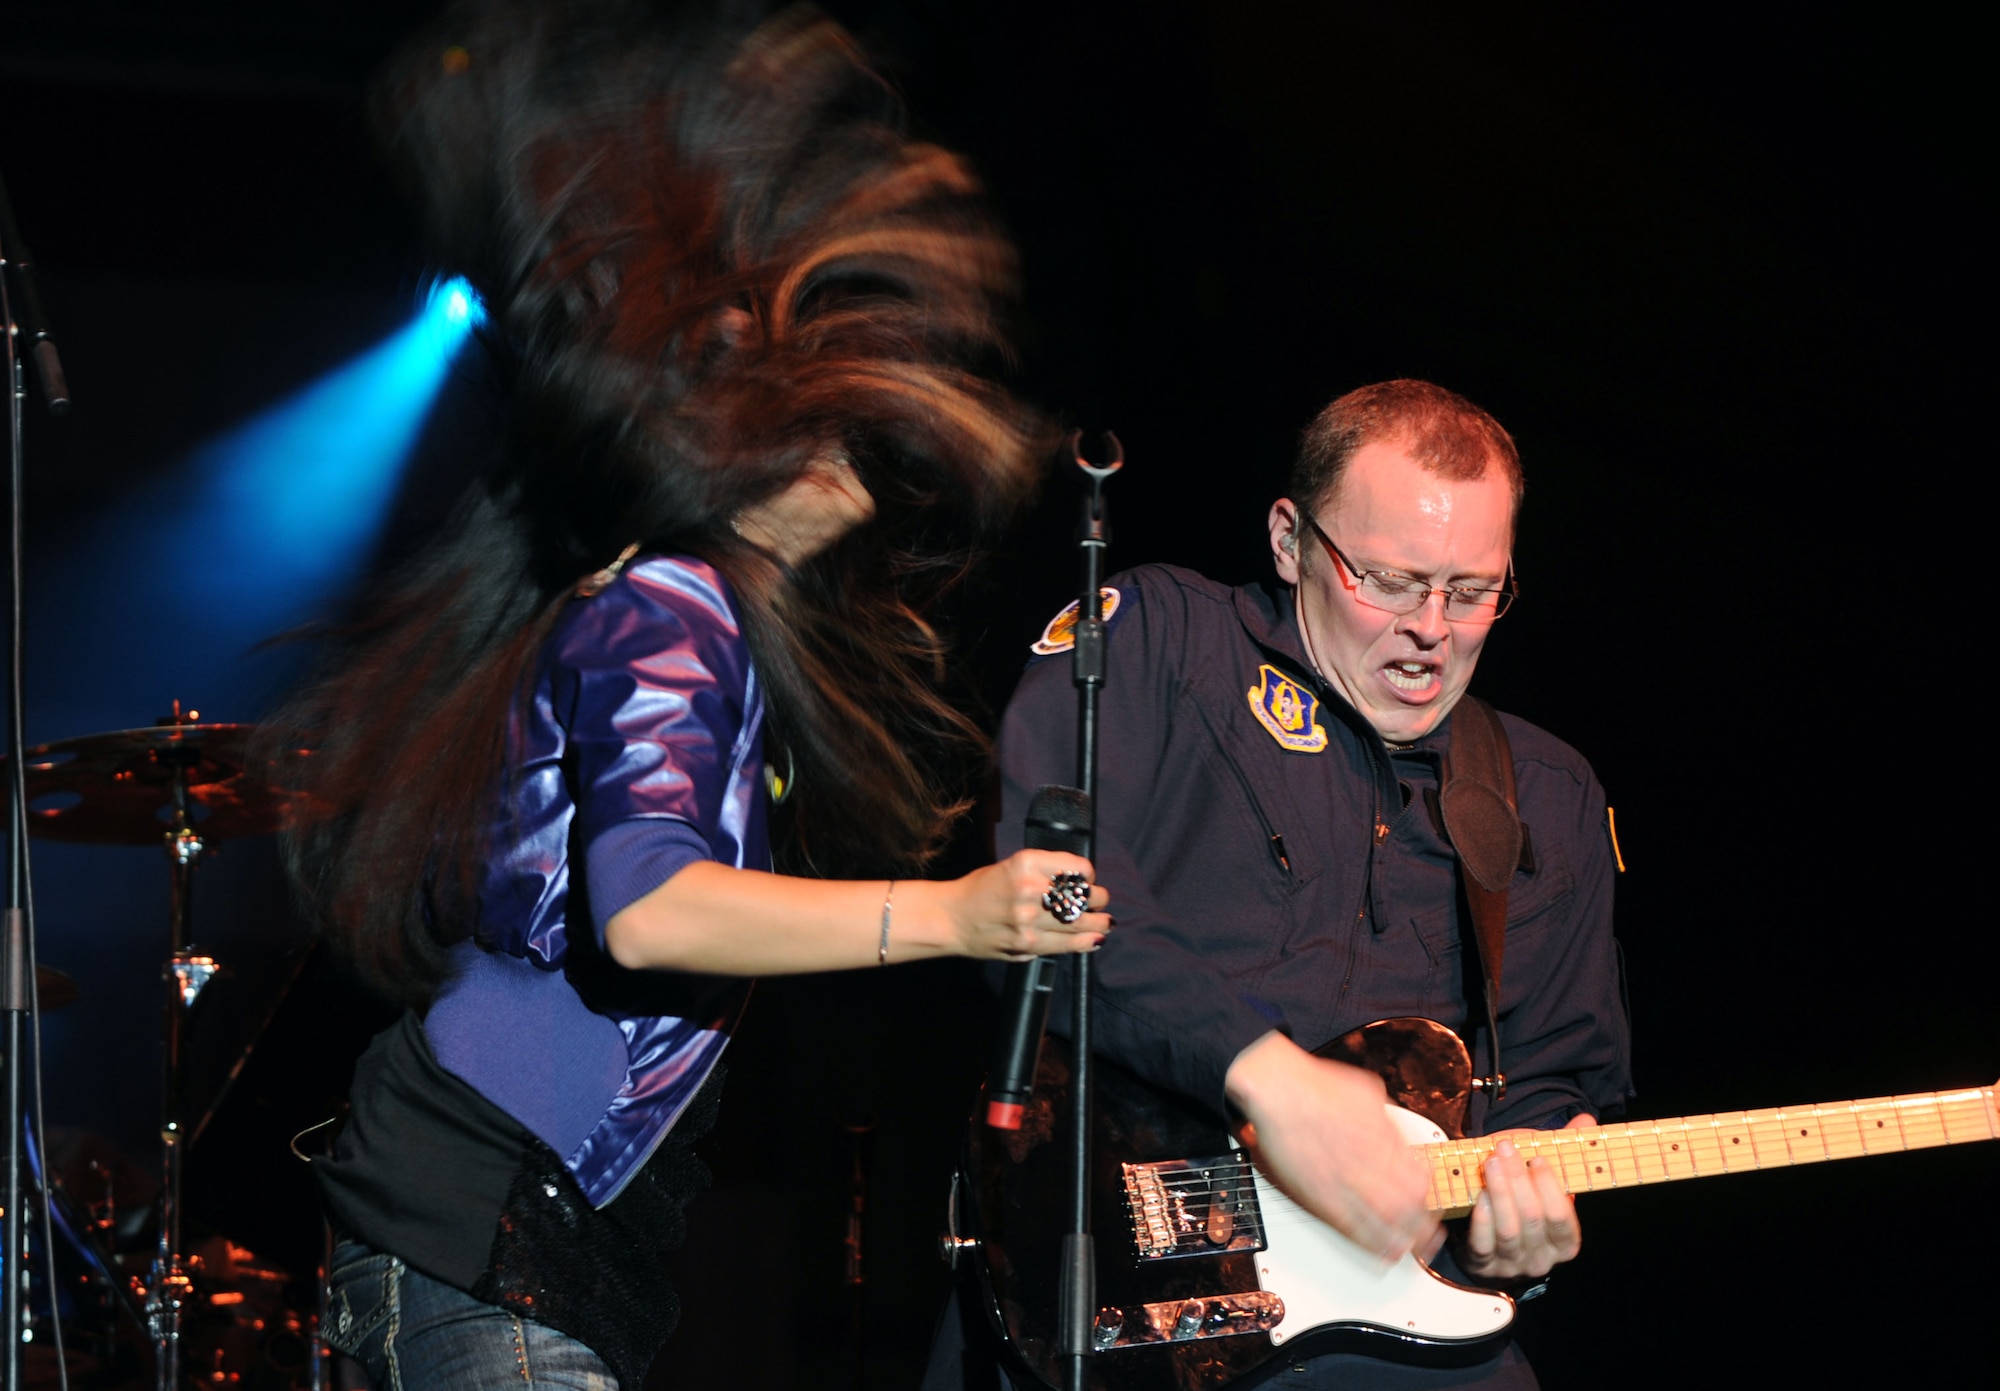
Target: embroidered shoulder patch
[
  {"x": 1288, "y": 712},
  {"x": 1060, "y": 635}
]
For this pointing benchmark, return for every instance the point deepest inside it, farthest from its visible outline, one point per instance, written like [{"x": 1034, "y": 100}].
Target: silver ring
[{"x": 1068, "y": 896}]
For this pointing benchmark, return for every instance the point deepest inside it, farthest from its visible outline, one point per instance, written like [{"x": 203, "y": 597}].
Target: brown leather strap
[{"x": 1481, "y": 815}]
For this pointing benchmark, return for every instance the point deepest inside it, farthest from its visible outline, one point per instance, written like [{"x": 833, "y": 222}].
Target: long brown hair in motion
[{"x": 710, "y": 256}]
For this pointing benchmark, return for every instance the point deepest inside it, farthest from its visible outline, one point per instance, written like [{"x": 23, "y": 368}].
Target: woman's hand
[{"x": 997, "y": 912}]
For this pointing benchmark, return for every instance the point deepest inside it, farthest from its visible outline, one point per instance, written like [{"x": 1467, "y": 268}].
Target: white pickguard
[{"x": 1326, "y": 1280}]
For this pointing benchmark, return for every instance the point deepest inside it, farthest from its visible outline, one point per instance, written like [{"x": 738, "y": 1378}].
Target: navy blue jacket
[{"x": 1253, "y": 889}]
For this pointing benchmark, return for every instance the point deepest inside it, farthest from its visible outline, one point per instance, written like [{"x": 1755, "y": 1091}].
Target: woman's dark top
[{"x": 428, "y": 1169}]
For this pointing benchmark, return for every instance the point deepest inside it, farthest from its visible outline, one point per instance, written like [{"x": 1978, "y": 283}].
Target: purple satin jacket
[{"x": 639, "y": 751}]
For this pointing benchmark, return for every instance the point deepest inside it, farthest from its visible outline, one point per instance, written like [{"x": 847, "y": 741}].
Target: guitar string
[
  {"x": 1617, "y": 1168},
  {"x": 1922, "y": 1120},
  {"x": 1464, "y": 1172},
  {"x": 1915, "y": 1129}
]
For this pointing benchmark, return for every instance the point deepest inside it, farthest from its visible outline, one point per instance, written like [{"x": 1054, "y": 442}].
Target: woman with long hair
[{"x": 672, "y": 636}]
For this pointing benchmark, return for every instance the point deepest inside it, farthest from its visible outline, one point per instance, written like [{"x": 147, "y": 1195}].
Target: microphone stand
[
  {"x": 1077, "y": 1292},
  {"x": 17, "y": 943}
]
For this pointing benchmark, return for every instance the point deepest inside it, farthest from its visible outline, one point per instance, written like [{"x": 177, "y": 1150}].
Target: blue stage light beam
[
  {"x": 297, "y": 495},
  {"x": 255, "y": 531}
]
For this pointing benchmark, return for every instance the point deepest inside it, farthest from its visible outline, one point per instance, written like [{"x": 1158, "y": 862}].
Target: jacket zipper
[
  {"x": 1378, "y": 831},
  {"x": 1273, "y": 838}
]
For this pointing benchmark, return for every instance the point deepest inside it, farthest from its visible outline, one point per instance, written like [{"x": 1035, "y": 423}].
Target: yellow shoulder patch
[
  {"x": 1060, "y": 635},
  {"x": 1288, "y": 711}
]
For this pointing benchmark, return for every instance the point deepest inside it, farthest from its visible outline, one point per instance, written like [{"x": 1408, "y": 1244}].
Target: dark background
[{"x": 1723, "y": 277}]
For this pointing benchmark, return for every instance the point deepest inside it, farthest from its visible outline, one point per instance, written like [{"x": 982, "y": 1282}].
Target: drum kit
[{"x": 213, "y": 1315}]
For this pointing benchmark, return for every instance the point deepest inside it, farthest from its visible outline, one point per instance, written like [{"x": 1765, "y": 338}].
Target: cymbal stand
[{"x": 186, "y": 972}]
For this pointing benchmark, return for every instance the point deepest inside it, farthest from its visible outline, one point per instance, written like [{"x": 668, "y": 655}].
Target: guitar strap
[{"x": 1477, "y": 801}]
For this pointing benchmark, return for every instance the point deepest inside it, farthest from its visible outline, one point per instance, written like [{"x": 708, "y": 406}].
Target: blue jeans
[{"x": 413, "y": 1333}]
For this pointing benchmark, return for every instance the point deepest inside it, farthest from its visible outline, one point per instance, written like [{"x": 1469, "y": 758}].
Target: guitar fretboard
[{"x": 1636, "y": 1152}]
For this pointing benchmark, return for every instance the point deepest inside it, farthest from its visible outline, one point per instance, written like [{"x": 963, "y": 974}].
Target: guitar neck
[{"x": 1636, "y": 1152}]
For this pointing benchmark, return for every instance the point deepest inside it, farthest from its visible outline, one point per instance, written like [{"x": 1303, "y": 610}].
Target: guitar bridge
[
  {"x": 1193, "y": 1207},
  {"x": 1184, "y": 1320}
]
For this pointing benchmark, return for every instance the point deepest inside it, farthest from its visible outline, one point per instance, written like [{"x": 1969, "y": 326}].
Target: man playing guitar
[{"x": 1269, "y": 828}]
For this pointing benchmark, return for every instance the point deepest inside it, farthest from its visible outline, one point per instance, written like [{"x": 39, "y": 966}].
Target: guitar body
[{"x": 1208, "y": 1275}]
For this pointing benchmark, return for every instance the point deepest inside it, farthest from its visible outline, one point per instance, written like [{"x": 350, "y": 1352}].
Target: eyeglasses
[{"x": 1394, "y": 593}]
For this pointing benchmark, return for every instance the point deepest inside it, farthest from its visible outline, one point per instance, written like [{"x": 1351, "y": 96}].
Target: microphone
[
  {"x": 1058, "y": 819},
  {"x": 29, "y": 318}
]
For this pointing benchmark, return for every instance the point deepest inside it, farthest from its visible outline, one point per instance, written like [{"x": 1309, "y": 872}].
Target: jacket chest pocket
[{"x": 1534, "y": 900}]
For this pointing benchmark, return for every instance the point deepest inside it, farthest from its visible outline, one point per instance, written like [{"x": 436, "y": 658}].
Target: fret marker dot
[
  {"x": 1735, "y": 1139},
  {"x": 1600, "y": 1168},
  {"x": 1454, "y": 1173},
  {"x": 1676, "y": 1147},
  {"x": 1804, "y": 1132}
]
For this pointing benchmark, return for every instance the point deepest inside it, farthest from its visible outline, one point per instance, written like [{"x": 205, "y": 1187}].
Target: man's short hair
[{"x": 1442, "y": 430}]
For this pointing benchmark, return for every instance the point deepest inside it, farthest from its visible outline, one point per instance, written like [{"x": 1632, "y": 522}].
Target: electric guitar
[{"x": 1206, "y": 1272}]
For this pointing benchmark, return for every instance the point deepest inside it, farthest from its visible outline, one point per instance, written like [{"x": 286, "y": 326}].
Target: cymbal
[
  {"x": 53, "y": 988},
  {"x": 117, "y": 788}
]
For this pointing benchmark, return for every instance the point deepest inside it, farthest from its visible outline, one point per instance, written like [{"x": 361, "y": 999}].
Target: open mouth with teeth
[{"x": 1413, "y": 677}]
